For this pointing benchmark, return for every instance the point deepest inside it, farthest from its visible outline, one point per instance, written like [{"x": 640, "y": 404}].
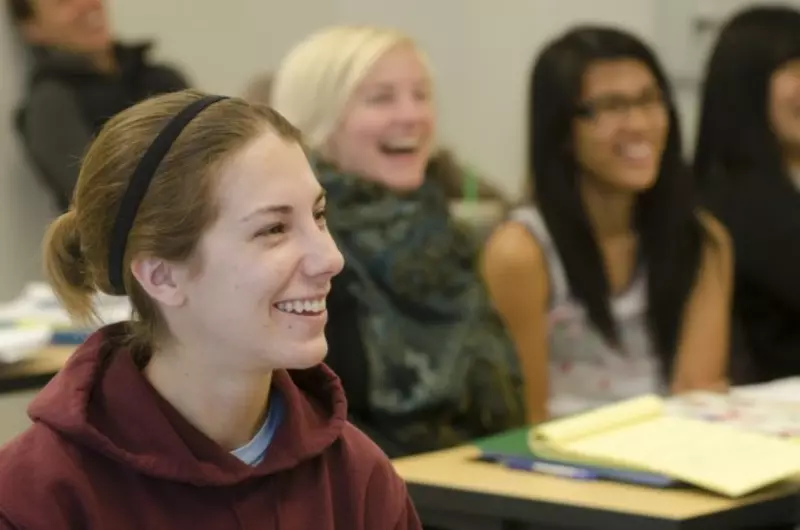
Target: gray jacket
[{"x": 69, "y": 101}]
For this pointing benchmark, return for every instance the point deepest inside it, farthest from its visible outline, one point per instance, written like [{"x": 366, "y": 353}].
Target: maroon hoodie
[{"x": 107, "y": 452}]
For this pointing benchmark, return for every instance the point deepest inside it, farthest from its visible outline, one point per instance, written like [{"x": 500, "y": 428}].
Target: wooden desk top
[
  {"x": 457, "y": 471},
  {"x": 34, "y": 372}
]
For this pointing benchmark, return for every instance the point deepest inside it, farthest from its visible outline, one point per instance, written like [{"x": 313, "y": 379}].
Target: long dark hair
[
  {"x": 669, "y": 232},
  {"x": 735, "y": 138},
  {"x": 20, "y": 10}
]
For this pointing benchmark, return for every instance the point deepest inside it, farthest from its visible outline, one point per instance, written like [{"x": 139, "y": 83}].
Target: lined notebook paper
[{"x": 638, "y": 434}]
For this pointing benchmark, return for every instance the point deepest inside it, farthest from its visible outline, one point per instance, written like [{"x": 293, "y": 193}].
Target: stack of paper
[
  {"x": 38, "y": 304},
  {"x": 36, "y": 318},
  {"x": 786, "y": 391},
  {"x": 640, "y": 434},
  {"x": 772, "y": 410},
  {"x": 19, "y": 342}
]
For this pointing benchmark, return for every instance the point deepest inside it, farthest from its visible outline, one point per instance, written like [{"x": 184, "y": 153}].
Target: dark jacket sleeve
[
  {"x": 166, "y": 79},
  {"x": 766, "y": 238},
  {"x": 346, "y": 354},
  {"x": 55, "y": 134}
]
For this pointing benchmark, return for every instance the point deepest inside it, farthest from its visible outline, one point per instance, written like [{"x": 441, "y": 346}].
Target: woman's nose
[{"x": 324, "y": 260}]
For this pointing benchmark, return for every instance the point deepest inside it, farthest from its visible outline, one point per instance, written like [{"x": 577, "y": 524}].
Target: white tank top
[{"x": 585, "y": 372}]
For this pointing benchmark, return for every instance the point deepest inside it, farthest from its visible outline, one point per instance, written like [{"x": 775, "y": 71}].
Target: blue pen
[{"x": 554, "y": 470}]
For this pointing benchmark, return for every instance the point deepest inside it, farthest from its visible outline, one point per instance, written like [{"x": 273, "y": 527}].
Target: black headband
[{"x": 140, "y": 181}]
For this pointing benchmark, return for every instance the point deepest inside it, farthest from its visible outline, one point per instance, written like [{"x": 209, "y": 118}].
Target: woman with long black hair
[
  {"x": 612, "y": 283},
  {"x": 747, "y": 160}
]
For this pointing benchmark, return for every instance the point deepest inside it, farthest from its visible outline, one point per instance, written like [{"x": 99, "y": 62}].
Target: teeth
[{"x": 302, "y": 306}]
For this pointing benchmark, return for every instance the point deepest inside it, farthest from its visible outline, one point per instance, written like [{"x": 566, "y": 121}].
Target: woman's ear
[{"x": 161, "y": 280}]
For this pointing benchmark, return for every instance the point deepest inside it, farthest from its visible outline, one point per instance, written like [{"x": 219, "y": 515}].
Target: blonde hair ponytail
[{"x": 66, "y": 268}]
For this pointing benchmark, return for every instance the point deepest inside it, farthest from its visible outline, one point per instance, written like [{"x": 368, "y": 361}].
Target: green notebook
[
  {"x": 509, "y": 443},
  {"x": 512, "y": 449}
]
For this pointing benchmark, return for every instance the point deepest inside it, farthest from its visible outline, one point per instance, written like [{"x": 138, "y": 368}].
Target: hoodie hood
[{"x": 102, "y": 401}]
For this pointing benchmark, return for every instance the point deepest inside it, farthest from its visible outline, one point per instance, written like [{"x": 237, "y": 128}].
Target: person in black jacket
[
  {"x": 747, "y": 161},
  {"x": 80, "y": 78}
]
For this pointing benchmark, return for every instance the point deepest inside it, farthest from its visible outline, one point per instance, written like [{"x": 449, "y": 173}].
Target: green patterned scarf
[{"x": 442, "y": 368}]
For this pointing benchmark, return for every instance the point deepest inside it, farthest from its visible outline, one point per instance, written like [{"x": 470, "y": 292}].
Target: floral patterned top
[{"x": 585, "y": 371}]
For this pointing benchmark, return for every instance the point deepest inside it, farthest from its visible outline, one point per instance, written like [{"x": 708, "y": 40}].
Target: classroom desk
[
  {"x": 35, "y": 371},
  {"x": 453, "y": 492}
]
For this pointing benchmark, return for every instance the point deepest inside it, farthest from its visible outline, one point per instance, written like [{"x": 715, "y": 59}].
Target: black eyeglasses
[{"x": 619, "y": 106}]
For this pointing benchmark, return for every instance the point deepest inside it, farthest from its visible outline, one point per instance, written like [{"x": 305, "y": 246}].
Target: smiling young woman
[
  {"x": 422, "y": 355},
  {"x": 612, "y": 283},
  {"x": 210, "y": 408}
]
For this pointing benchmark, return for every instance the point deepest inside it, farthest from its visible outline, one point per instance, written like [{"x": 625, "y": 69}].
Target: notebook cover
[{"x": 513, "y": 446}]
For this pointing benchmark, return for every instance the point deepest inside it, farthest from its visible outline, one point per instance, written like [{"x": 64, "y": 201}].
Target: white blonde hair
[{"x": 316, "y": 80}]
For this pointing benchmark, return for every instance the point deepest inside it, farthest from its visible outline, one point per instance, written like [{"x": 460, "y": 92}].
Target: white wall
[
  {"x": 482, "y": 52},
  {"x": 222, "y": 43},
  {"x": 24, "y": 206}
]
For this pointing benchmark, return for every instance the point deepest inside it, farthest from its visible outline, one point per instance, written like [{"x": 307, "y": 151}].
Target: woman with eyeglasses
[{"x": 612, "y": 283}]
